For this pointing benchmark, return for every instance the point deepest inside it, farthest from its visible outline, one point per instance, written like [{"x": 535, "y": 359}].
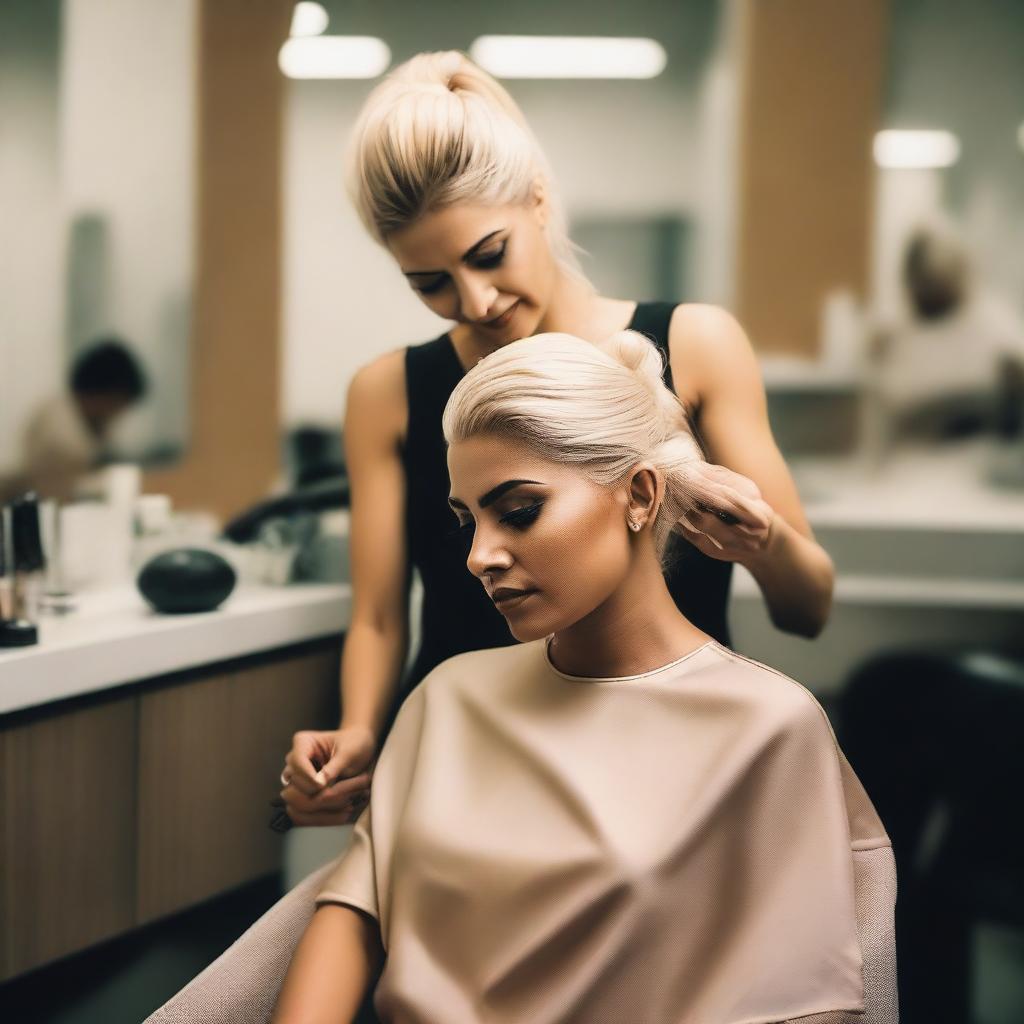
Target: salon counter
[
  {"x": 139, "y": 753},
  {"x": 113, "y": 638},
  {"x": 928, "y": 554}
]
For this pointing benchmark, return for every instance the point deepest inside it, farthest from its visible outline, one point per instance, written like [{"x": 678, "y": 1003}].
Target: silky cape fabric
[{"x": 668, "y": 847}]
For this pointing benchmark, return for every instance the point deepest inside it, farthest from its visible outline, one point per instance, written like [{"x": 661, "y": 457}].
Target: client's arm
[{"x": 338, "y": 958}]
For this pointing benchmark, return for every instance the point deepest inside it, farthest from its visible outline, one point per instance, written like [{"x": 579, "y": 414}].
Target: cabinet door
[
  {"x": 67, "y": 831},
  {"x": 210, "y": 754}
]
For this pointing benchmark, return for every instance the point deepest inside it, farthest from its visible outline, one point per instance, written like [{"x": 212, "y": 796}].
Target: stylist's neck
[{"x": 572, "y": 307}]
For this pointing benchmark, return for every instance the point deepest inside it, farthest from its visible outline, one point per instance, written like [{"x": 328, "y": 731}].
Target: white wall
[
  {"x": 97, "y": 109},
  {"x": 616, "y": 147},
  {"x": 128, "y": 155}
]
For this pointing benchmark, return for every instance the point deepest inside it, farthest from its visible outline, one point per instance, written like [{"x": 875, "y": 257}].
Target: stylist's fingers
[
  {"x": 731, "y": 495},
  {"x": 331, "y": 799},
  {"x": 709, "y": 534},
  {"x": 353, "y": 752},
  {"x": 324, "y": 819},
  {"x": 310, "y": 751}
]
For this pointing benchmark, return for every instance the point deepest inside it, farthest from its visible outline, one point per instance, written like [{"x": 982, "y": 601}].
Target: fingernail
[{"x": 321, "y": 778}]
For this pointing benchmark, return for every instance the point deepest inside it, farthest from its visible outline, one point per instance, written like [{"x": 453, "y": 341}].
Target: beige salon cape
[{"x": 670, "y": 847}]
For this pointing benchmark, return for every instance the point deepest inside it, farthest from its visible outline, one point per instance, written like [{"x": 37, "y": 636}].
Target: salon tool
[
  {"x": 26, "y": 557},
  {"x": 186, "y": 580},
  {"x": 6, "y": 596},
  {"x": 14, "y": 630}
]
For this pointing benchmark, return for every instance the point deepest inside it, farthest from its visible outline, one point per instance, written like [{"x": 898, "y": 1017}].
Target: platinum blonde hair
[
  {"x": 438, "y": 131},
  {"x": 603, "y": 408}
]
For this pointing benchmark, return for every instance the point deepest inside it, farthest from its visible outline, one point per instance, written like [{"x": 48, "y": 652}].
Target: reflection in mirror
[{"x": 96, "y": 182}]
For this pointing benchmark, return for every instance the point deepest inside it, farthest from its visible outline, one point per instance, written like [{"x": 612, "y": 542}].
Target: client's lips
[{"x": 507, "y": 595}]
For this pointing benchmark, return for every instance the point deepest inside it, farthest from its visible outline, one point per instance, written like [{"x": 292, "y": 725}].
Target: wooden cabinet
[
  {"x": 125, "y": 808},
  {"x": 210, "y": 757},
  {"x": 67, "y": 844}
]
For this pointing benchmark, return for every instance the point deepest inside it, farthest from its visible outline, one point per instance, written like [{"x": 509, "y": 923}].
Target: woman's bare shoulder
[
  {"x": 707, "y": 342},
  {"x": 376, "y": 393},
  {"x": 697, "y": 326}
]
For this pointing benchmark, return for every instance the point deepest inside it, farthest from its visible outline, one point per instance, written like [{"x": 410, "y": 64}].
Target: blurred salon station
[{"x": 185, "y": 294}]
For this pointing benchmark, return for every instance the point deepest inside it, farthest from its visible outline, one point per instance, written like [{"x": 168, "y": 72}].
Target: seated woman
[{"x": 618, "y": 819}]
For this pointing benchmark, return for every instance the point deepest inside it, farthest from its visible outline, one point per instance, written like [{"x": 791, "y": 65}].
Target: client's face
[{"x": 549, "y": 545}]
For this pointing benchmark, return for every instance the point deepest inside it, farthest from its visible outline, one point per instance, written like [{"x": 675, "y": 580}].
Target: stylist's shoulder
[
  {"x": 710, "y": 344},
  {"x": 376, "y": 400}
]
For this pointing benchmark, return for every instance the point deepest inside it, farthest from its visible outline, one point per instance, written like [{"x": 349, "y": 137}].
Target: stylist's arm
[
  {"x": 772, "y": 537},
  {"x": 327, "y": 774}
]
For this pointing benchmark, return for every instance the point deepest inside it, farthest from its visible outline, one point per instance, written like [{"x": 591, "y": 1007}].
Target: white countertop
[
  {"x": 944, "y": 487},
  {"x": 115, "y": 638}
]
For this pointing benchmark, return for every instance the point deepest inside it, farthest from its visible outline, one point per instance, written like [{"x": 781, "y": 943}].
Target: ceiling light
[
  {"x": 308, "y": 19},
  {"x": 568, "y": 57},
  {"x": 916, "y": 149},
  {"x": 334, "y": 57}
]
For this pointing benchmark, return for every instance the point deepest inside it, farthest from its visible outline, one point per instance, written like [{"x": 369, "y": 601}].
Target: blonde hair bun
[{"x": 439, "y": 131}]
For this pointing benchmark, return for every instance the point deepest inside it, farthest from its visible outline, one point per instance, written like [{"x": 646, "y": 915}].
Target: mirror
[{"x": 97, "y": 103}]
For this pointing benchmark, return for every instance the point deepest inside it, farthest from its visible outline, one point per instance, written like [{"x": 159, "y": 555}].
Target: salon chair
[
  {"x": 240, "y": 987},
  {"x": 936, "y": 740}
]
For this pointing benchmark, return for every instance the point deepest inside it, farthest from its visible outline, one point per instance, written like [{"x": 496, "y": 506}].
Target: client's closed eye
[
  {"x": 523, "y": 517},
  {"x": 520, "y": 518}
]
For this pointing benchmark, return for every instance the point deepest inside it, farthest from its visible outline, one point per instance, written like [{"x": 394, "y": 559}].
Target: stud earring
[{"x": 634, "y": 526}]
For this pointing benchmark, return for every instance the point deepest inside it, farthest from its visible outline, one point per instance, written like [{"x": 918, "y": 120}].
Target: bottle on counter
[
  {"x": 25, "y": 547},
  {"x": 28, "y": 560},
  {"x": 154, "y": 530},
  {"x": 6, "y": 580}
]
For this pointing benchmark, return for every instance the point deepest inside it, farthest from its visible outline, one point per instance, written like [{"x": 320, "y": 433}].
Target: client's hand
[
  {"x": 327, "y": 775},
  {"x": 734, "y": 523}
]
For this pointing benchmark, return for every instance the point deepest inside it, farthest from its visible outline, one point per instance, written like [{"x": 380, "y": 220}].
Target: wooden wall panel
[
  {"x": 67, "y": 832},
  {"x": 211, "y": 752},
  {"x": 813, "y": 74},
  {"x": 233, "y": 452}
]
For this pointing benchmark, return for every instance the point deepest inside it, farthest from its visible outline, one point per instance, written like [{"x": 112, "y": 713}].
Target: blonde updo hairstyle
[
  {"x": 438, "y": 131},
  {"x": 603, "y": 408}
]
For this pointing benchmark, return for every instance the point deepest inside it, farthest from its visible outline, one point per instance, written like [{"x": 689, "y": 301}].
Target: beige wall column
[
  {"x": 813, "y": 72},
  {"x": 233, "y": 448}
]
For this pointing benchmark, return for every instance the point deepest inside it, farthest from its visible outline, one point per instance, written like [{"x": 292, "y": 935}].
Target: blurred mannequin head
[{"x": 936, "y": 273}]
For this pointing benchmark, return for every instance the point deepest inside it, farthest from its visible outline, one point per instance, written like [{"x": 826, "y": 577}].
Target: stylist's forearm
[
  {"x": 371, "y": 664},
  {"x": 796, "y": 577}
]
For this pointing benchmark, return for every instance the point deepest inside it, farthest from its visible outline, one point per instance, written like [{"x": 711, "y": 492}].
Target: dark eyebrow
[
  {"x": 493, "y": 494},
  {"x": 468, "y": 254}
]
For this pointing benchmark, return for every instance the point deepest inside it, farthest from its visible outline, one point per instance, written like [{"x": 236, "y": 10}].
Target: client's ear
[{"x": 646, "y": 490}]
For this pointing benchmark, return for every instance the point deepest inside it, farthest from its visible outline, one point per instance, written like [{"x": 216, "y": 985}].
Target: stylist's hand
[
  {"x": 327, "y": 775},
  {"x": 735, "y": 524}
]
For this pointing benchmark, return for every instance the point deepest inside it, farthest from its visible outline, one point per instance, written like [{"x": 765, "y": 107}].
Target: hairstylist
[{"x": 447, "y": 176}]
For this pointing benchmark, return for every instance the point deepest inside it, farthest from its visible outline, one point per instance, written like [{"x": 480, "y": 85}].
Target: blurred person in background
[
  {"x": 447, "y": 176},
  {"x": 955, "y": 366},
  {"x": 64, "y": 439}
]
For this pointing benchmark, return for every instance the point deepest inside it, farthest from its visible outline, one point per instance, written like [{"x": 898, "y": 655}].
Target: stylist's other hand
[
  {"x": 734, "y": 523},
  {"x": 327, "y": 775}
]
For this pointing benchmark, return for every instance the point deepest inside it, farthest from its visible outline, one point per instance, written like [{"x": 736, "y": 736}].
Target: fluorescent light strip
[
  {"x": 569, "y": 57},
  {"x": 308, "y": 19},
  {"x": 334, "y": 57},
  {"x": 896, "y": 149}
]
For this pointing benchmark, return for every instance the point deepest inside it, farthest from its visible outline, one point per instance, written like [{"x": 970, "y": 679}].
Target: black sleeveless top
[{"x": 457, "y": 614}]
